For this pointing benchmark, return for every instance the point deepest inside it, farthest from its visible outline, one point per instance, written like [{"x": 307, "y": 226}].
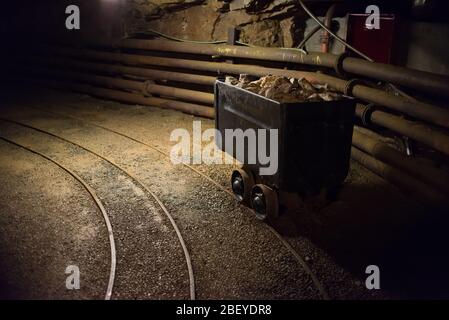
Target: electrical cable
[
  {"x": 308, "y": 36},
  {"x": 332, "y": 33},
  {"x": 299, "y": 47},
  {"x": 154, "y": 32},
  {"x": 347, "y": 45}
]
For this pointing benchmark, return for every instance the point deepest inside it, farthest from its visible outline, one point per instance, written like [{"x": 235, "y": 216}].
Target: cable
[
  {"x": 299, "y": 47},
  {"x": 154, "y": 32},
  {"x": 308, "y": 36},
  {"x": 350, "y": 47},
  {"x": 333, "y": 34}
]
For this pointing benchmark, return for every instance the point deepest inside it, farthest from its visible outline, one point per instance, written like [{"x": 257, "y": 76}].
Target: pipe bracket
[
  {"x": 145, "y": 90},
  {"x": 350, "y": 86},
  {"x": 338, "y": 64},
  {"x": 366, "y": 114}
]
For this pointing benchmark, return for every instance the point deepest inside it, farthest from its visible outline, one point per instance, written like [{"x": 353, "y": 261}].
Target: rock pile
[{"x": 283, "y": 89}]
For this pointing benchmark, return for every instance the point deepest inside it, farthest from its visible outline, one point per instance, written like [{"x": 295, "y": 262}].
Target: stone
[{"x": 263, "y": 23}]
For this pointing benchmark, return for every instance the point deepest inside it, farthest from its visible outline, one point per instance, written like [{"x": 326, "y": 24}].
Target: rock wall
[{"x": 272, "y": 23}]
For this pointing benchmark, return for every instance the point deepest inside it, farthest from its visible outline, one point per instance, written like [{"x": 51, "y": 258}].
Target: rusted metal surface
[
  {"x": 419, "y": 110},
  {"x": 380, "y": 158},
  {"x": 114, "y": 69},
  {"x": 325, "y": 36},
  {"x": 143, "y": 87},
  {"x": 417, "y": 131},
  {"x": 397, "y": 177},
  {"x": 416, "y": 79},
  {"x": 381, "y": 151},
  {"x": 431, "y": 137},
  {"x": 190, "y": 108}
]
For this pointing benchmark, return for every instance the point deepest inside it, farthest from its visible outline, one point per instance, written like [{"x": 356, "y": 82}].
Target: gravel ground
[
  {"x": 234, "y": 255},
  {"x": 47, "y": 222},
  {"x": 148, "y": 254}
]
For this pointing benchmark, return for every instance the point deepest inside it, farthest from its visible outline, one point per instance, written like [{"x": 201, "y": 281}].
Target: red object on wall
[{"x": 378, "y": 44}]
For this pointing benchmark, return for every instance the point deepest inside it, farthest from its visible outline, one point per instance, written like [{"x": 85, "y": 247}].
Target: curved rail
[
  {"x": 294, "y": 253},
  {"x": 158, "y": 201},
  {"x": 97, "y": 202}
]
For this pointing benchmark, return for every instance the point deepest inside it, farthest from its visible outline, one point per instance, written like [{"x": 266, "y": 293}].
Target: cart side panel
[
  {"x": 317, "y": 142},
  {"x": 237, "y": 108}
]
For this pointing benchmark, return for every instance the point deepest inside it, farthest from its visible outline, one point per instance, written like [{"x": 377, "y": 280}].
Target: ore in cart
[{"x": 314, "y": 146}]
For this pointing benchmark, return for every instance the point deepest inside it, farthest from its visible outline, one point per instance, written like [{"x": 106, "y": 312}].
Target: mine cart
[{"x": 314, "y": 145}]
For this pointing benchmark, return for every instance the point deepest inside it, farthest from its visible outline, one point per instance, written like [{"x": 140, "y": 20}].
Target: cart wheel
[
  {"x": 242, "y": 182},
  {"x": 264, "y": 201}
]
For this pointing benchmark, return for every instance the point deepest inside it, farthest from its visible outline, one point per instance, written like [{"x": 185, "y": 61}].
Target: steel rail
[
  {"x": 152, "y": 194},
  {"x": 97, "y": 202},
  {"x": 425, "y": 174},
  {"x": 289, "y": 248}
]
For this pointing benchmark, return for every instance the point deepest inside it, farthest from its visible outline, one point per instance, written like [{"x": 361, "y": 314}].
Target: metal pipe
[
  {"x": 325, "y": 37},
  {"x": 420, "y": 110},
  {"x": 400, "y": 179},
  {"x": 422, "y": 81},
  {"x": 121, "y": 70},
  {"x": 416, "y": 79},
  {"x": 381, "y": 151},
  {"x": 415, "y": 130},
  {"x": 127, "y": 97},
  {"x": 308, "y": 36},
  {"x": 144, "y": 87},
  {"x": 432, "y": 176}
]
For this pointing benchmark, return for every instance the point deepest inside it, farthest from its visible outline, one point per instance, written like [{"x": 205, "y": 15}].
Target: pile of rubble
[{"x": 283, "y": 89}]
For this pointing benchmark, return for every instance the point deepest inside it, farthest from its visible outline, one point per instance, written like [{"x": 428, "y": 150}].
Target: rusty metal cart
[{"x": 314, "y": 145}]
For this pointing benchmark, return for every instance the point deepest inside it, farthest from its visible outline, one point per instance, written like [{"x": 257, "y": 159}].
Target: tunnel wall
[{"x": 273, "y": 23}]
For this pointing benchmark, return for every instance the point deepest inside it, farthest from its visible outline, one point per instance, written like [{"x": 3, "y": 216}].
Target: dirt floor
[{"x": 48, "y": 221}]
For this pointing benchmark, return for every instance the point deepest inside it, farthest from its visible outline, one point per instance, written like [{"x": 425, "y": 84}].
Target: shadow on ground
[{"x": 371, "y": 225}]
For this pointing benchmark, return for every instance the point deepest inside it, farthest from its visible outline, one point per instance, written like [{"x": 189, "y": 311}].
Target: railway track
[
  {"x": 98, "y": 202},
  {"x": 300, "y": 260}
]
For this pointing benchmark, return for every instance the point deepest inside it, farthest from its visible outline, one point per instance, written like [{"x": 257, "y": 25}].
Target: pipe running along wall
[
  {"x": 415, "y": 130},
  {"x": 437, "y": 178},
  {"x": 128, "y": 97},
  {"x": 145, "y": 88},
  {"x": 412, "y": 129},
  {"x": 419, "y": 110},
  {"x": 387, "y": 158},
  {"x": 416, "y": 79},
  {"x": 398, "y": 178}
]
